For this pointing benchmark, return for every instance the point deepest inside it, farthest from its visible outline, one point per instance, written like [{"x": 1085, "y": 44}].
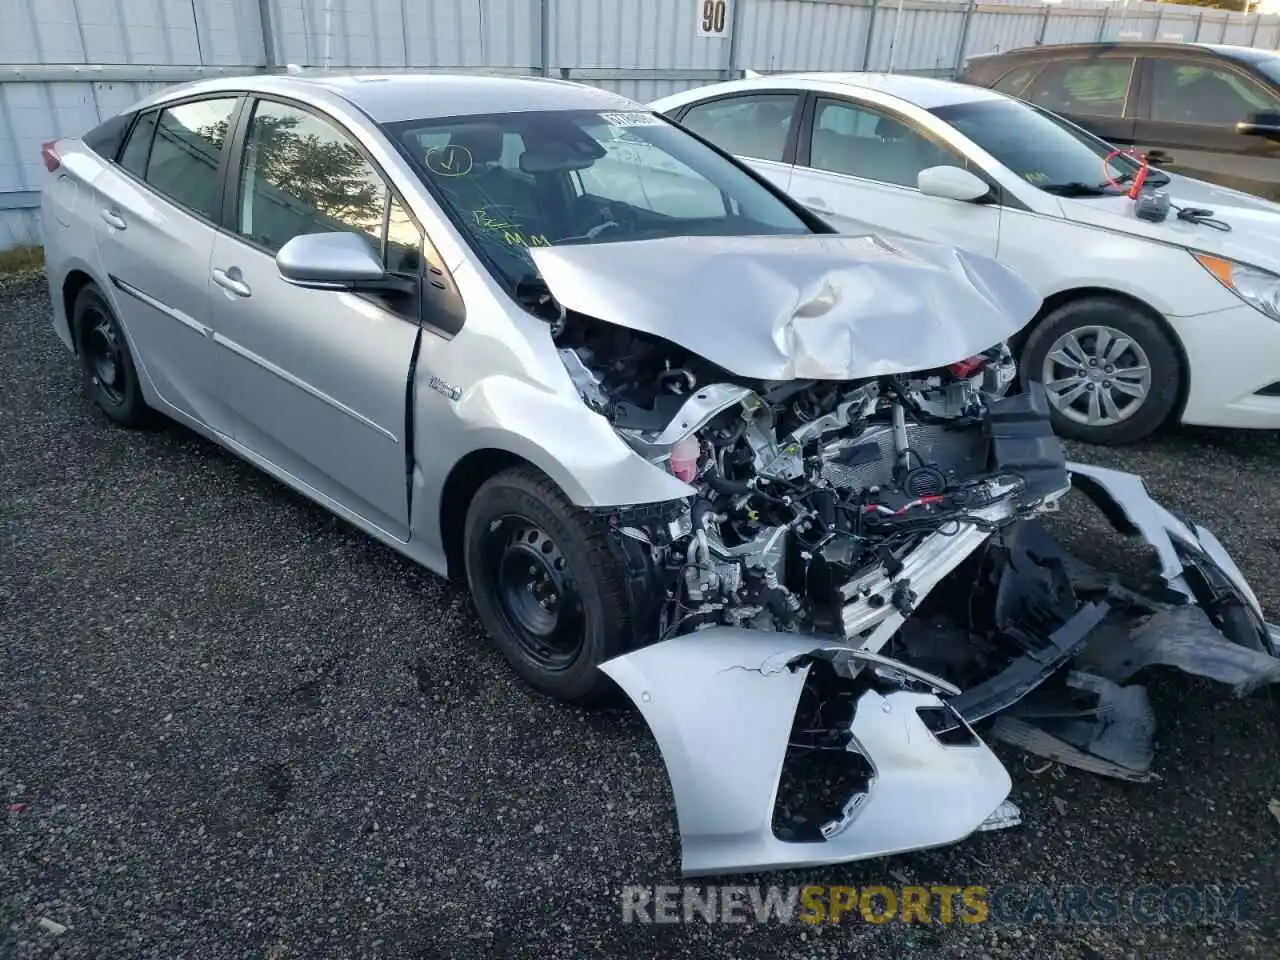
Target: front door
[
  {"x": 1189, "y": 122},
  {"x": 316, "y": 379},
  {"x": 858, "y": 171}
]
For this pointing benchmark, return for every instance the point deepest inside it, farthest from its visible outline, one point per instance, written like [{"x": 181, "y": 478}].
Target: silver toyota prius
[{"x": 677, "y": 434}]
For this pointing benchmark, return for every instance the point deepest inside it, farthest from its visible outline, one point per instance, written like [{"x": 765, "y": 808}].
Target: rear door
[
  {"x": 1188, "y": 114},
  {"x": 758, "y": 128},
  {"x": 858, "y": 166},
  {"x": 1097, "y": 92},
  {"x": 154, "y": 218},
  {"x": 316, "y": 379}
]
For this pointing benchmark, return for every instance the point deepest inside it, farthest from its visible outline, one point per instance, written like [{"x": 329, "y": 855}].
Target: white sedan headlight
[{"x": 1258, "y": 288}]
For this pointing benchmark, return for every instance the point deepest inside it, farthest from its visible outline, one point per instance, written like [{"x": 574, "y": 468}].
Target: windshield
[
  {"x": 1042, "y": 149},
  {"x": 520, "y": 180}
]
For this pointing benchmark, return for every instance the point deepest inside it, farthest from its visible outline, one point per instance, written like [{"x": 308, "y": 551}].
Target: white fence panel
[
  {"x": 653, "y": 34},
  {"x": 833, "y": 35}
]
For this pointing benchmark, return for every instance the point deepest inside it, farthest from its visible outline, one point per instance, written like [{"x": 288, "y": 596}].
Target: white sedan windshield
[
  {"x": 1042, "y": 149},
  {"x": 518, "y": 180}
]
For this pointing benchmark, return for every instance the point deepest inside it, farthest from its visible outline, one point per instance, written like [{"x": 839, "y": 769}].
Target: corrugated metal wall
[{"x": 66, "y": 64}]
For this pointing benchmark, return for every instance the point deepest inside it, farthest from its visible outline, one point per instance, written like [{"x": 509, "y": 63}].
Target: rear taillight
[
  {"x": 964, "y": 369},
  {"x": 49, "y": 154}
]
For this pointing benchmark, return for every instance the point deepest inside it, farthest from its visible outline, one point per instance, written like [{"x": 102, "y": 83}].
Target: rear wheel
[
  {"x": 1111, "y": 373},
  {"x": 110, "y": 375},
  {"x": 548, "y": 584}
]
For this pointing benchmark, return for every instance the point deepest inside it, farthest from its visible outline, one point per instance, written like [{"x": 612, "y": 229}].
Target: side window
[
  {"x": 1193, "y": 92},
  {"x": 402, "y": 252},
  {"x": 1016, "y": 80},
  {"x": 754, "y": 126},
  {"x": 300, "y": 174},
  {"x": 185, "y": 143},
  {"x": 860, "y": 142},
  {"x": 138, "y": 148},
  {"x": 1094, "y": 88}
]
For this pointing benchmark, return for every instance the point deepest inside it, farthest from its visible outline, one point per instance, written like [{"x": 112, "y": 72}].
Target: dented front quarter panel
[{"x": 721, "y": 702}]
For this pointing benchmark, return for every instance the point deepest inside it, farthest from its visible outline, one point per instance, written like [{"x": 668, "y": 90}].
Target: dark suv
[{"x": 1203, "y": 110}]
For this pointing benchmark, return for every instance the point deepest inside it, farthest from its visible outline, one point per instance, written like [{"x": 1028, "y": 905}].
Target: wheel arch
[
  {"x": 1064, "y": 297},
  {"x": 75, "y": 281},
  {"x": 466, "y": 477}
]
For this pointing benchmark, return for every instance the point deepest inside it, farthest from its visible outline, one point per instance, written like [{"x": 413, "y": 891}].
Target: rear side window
[
  {"x": 1094, "y": 88},
  {"x": 177, "y": 150},
  {"x": 185, "y": 152},
  {"x": 138, "y": 149},
  {"x": 1016, "y": 80}
]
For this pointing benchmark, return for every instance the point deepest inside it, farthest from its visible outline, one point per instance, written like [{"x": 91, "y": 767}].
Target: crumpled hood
[
  {"x": 1254, "y": 237},
  {"x": 784, "y": 307}
]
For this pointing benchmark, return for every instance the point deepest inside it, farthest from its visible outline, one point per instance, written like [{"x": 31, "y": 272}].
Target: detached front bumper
[
  {"x": 722, "y": 703},
  {"x": 725, "y": 704}
]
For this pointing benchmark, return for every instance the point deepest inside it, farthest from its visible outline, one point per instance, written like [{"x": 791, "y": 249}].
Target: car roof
[
  {"x": 391, "y": 97},
  {"x": 1227, "y": 50},
  {"x": 926, "y": 92}
]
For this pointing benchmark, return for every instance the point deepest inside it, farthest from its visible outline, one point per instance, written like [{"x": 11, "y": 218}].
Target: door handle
[
  {"x": 231, "y": 279},
  {"x": 113, "y": 219}
]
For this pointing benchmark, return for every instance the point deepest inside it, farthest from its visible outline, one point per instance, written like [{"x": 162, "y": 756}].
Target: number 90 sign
[{"x": 713, "y": 18}]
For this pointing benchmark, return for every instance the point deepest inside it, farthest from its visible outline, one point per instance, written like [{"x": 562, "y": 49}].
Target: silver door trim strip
[
  {"x": 191, "y": 323},
  {"x": 302, "y": 385}
]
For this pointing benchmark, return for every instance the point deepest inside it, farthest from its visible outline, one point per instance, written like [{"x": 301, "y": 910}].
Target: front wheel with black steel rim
[
  {"x": 1110, "y": 370},
  {"x": 548, "y": 583},
  {"x": 110, "y": 375}
]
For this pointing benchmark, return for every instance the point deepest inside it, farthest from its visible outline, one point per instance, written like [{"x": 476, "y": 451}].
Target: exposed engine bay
[
  {"x": 859, "y": 580},
  {"x": 812, "y": 496}
]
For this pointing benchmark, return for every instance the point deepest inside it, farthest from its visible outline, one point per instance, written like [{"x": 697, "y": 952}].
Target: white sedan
[{"x": 1143, "y": 322}]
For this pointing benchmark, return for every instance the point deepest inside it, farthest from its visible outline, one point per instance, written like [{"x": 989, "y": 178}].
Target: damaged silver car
[{"x": 675, "y": 433}]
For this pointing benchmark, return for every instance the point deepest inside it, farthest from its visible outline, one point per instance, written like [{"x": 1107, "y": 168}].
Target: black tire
[
  {"x": 586, "y": 572},
  {"x": 1165, "y": 383},
  {"x": 110, "y": 376}
]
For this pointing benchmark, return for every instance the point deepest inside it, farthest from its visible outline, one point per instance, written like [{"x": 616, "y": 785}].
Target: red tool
[{"x": 1139, "y": 178}]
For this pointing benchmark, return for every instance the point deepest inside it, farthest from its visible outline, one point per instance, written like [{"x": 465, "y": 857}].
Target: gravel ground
[{"x": 232, "y": 726}]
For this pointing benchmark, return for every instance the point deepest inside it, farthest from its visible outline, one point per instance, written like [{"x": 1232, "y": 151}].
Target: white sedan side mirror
[{"x": 954, "y": 183}]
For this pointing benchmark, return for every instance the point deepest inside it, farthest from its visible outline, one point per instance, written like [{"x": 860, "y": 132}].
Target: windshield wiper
[{"x": 1076, "y": 189}]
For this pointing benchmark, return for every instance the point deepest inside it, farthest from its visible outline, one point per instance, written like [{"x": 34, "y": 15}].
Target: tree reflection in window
[{"x": 301, "y": 175}]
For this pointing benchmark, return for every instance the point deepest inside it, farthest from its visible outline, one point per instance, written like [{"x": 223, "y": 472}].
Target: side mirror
[
  {"x": 331, "y": 261},
  {"x": 954, "y": 183},
  {"x": 1263, "y": 124}
]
